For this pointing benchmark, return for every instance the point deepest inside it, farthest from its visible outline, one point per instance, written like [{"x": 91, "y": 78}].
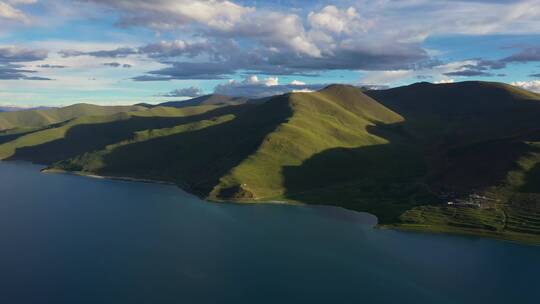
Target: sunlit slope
[
  {"x": 338, "y": 116},
  {"x": 40, "y": 118}
]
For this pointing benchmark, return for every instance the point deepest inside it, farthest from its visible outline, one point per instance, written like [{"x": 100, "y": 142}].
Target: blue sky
[{"x": 59, "y": 52}]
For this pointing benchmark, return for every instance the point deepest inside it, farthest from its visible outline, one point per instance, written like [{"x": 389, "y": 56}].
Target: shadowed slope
[{"x": 473, "y": 133}]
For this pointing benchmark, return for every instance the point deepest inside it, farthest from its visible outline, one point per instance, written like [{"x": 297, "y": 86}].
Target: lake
[{"x": 71, "y": 239}]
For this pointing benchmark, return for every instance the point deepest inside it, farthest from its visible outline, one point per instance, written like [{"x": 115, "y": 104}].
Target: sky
[{"x": 60, "y": 52}]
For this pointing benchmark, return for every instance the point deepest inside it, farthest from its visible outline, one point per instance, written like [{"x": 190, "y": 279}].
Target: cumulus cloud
[
  {"x": 279, "y": 43},
  {"x": 185, "y": 92},
  {"x": 533, "y": 85},
  {"x": 165, "y": 14},
  {"x": 8, "y": 11},
  {"x": 380, "y": 36},
  {"x": 254, "y": 87},
  {"x": 335, "y": 20}
]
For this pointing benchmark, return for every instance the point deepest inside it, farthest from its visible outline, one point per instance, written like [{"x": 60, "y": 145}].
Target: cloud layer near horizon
[{"x": 210, "y": 42}]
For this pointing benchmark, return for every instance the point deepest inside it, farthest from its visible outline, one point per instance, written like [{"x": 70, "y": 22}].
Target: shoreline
[
  {"x": 206, "y": 199},
  {"x": 396, "y": 227},
  {"x": 160, "y": 182},
  {"x": 106, "y": 177}
]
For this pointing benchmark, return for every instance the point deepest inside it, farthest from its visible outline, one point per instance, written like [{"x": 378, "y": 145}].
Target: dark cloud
[
  {"x": 468, "y": 73},
  {"x": 115, "y": 53},
  {"x": 185, "y": 92},
  {"x": 51, "y": 66},
  {"x": 17, "y": 72},
  {"x": 270, "y": 62},
  {"x": 10, "y": 59},
  {"x": 36, "y": 78},
  {"x": 164, "y": 49},
  {"x": 189, "y": 70},
  {"x": 526, "y": 55},
  {"x": 176, "y": 48},
  {"x": 15, "y": 54},
  {"x": 117, "y": 65}
]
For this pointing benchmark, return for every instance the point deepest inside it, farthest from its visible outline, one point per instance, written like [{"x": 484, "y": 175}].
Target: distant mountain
[
  {"x": 402, "y": 154},
  {"x": 30, "y": 119},
  {"x": 214, "y": 99},
  {"x": 15, "y": 109}
]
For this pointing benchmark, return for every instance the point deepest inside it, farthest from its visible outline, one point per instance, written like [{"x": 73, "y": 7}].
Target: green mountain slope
[
  {"x": 400, "y": 154},
  {"x": 89, "y": 133},
  {"x": 41, "y": 118}
]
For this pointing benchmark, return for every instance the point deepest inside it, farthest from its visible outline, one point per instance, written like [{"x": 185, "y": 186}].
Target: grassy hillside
[
  {"x": 327, "y": 143},
  {"x": 400, "y": 154},
  {"x": 90, "y": 133},
  {"x": 40, "y": 118}
]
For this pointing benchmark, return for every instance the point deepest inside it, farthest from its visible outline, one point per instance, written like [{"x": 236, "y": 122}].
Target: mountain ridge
[{"x": 400, "y": 153}]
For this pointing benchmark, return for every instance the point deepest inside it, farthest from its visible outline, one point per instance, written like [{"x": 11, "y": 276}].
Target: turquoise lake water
[{"x": 70, "y": 239}]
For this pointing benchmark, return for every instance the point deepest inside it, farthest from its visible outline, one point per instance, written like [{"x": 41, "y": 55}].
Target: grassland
[{"x": 400, "y": 154}]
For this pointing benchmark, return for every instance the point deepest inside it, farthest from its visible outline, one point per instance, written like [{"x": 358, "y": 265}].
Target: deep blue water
[{"x": 70, "y": 239}]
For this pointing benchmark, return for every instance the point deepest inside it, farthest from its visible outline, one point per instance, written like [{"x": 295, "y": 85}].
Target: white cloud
[
  {"x": 166, "y": 14},
  {"x": 533, "y": 85},
  {"x": 444, "y": 81},
  {"x": 252, "y": 86},
  {"x": 385, "y": 77},
  {"x": 9, "y": 12},
  {"x": 185, "y": 92},
  {"x": 337, "y": 21}
]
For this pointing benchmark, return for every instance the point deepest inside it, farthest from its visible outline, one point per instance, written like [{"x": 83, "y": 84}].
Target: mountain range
[{"x": 460, "y": 158}]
